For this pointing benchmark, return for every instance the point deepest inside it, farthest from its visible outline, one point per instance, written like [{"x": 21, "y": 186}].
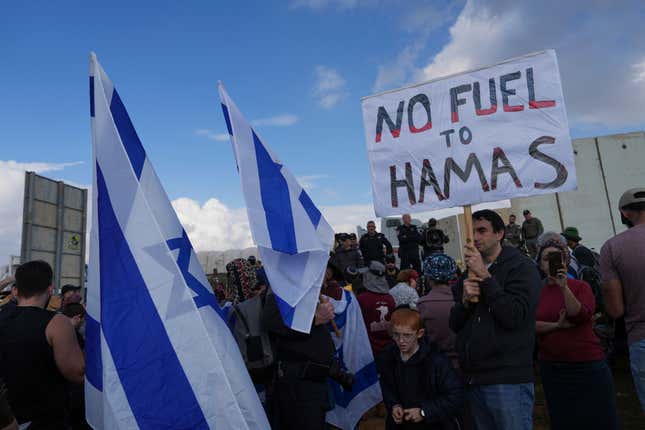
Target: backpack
[
  {"x": 252, "y": 338},
  {"x": 434, "y": 238},
  {"x": 591, "y": 275}
]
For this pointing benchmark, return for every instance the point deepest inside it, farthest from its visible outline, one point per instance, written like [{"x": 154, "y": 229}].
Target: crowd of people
[{"x": 455, "y": 347}]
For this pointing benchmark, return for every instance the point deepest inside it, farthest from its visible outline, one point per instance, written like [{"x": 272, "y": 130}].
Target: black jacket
[
  {"x": 391, "y": 277},
  {"x": 433, "y": 240},
  {"x": 294, "y": 346},
  {"x": 495, "y": 337},
  {"x": 409, "y": 240},
  {"x": 372, "y": 247},
  {"x": 343, "y": 258},
  {"x": 584, "y": 256},
  {"x": 427, "y": 381}
]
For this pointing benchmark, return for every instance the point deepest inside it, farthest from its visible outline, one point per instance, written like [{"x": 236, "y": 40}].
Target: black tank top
[{"x": 36, "y": 387}]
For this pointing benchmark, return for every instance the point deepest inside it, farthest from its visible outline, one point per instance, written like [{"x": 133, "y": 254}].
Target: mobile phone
[{"x": 555, "y": 262}]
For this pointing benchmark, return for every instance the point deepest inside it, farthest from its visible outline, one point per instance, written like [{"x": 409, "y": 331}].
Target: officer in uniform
[
  {"x": 409, "y": 241},
  {"x": 372, "y": 243}
]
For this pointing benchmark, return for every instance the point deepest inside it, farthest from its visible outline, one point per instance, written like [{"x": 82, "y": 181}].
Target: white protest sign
[{"x": 490, "y": 134}]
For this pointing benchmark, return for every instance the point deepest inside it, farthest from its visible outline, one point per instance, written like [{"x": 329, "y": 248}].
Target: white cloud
[
  {"x": 329, "y": 88},
  {"x": 338, "y": 4},
  {"x": 345, "y": 218},
  {"x": 423, "y": 17},
  {"x": 285, "y": 120},
  {"x": 639, "y": 71},
  {"x": 11, "y": 201},
  {"x": 331, "y": 193},
  {"x": 309, "y": 182},
  {"x": 210, "y": 134},
  {"x": 213, "y": 226},
  {"x": 421, "y": 20},
  {"x": 328, "y": 79},
  {"x": 596, "y": 43},
  {"x": 398, "y": 72},
  {"x": 328, "y": 101}
]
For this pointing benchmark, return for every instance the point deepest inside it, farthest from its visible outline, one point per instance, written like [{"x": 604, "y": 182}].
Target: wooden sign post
[
  {"x": 468, "y": 221},
  {"x": 333, "y": 322}
]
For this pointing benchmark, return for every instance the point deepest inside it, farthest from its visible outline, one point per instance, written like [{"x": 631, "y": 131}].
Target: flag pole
[
  {"x": 468, "y": 222},
  {"x": 333, "y": 322}
]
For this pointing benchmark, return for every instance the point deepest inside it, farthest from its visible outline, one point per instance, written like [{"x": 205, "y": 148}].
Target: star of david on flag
[{"x": 159, "y": 354}]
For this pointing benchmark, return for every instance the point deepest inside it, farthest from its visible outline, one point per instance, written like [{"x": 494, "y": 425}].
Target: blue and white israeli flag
[
  {"x": 292, "y": 236},
  {"x": 355, "y": 354},
  {"x": 159, "y": 355}
]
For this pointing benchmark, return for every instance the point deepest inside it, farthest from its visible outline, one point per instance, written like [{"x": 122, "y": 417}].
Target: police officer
[
  {"x": 409, "y": 240},
  {"x": 304, "y": 360},
  {"x": 372, "y": 244}
]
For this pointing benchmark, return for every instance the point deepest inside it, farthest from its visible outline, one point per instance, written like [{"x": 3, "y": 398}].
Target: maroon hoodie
[
  {"x": 434, "y": 308},
  {"x": 377, "y": 309}
]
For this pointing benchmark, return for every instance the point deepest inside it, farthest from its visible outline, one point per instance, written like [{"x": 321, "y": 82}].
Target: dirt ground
[{"x": 629, "y": 410}]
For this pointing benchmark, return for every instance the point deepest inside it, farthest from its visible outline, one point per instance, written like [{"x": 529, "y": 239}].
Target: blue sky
[
  {"x": 166, "y": 57},
  {"x": 299, "y": 67}
]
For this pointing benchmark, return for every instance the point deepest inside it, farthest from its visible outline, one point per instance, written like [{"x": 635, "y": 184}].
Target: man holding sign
[
  {"x": 486, "y": 135},
  {"x": 494, "y": 318}
]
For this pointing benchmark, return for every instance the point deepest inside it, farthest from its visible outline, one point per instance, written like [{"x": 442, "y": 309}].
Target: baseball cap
[{"x": 631, "y": 196}]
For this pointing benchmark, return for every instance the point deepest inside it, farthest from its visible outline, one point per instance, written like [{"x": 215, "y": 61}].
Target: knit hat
[
  {"x": 553, "y": 243},
  {"x": 374, "y": 278},
  {"x": 439, "y": 268}
]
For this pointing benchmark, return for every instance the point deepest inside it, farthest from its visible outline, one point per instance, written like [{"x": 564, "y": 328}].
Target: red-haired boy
[{"x": 420, "y": 387}]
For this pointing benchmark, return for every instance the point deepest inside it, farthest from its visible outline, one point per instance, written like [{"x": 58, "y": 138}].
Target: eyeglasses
[{"x": 403, "y": 336}]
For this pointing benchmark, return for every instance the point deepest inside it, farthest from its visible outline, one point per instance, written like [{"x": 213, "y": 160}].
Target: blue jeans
[
  {"x": 502, "y": 407},
  {"x": 637, "y": 364}
]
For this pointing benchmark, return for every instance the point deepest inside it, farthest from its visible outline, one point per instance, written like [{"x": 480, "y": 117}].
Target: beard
[{"x": 626, "y": 221}]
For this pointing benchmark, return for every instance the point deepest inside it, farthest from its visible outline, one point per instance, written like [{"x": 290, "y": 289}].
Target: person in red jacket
[
  {"x": 377, "y": 306},
  {"x": 578, "y": 383}
]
